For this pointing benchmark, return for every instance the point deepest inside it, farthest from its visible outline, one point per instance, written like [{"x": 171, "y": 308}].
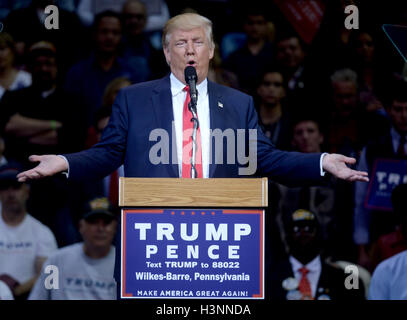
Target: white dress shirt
[
  {"x": 313, "y": 275},
  {"x": 178, "y": 99}
]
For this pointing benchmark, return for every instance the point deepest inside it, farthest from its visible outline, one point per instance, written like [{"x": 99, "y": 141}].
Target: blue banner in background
[
  {"x": 192, "y": 254},
  {"x": 386, "y": 175}
]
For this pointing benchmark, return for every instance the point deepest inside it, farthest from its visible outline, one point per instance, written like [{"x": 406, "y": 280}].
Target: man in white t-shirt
[
  {"x": 25, "y": 243},
  {"x": 5, "y": 292},
  {"x": 83, "y": 271}
]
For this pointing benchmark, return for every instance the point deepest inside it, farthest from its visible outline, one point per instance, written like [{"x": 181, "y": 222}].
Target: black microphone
[{"x": 191, "y": 79}]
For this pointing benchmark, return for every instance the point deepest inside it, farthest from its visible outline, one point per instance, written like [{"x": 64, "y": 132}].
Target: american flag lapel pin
[{"x": 220, "y": 104}]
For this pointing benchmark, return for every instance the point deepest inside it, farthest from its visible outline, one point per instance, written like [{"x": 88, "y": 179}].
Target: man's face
[
  {"x": 98, "y": 232},
  {"x": 271, "y": 90},
  {"x": 307, "y": 137},
  {"x": 14, "y": 197},
  {"x": 108, "y": 35},
  {"x": 290, "y": 53},
  {"x": 398, "y": 115},
  {"x": 6, "y": 57},
  {"x": 188, "y": 47},
  {"x": 255, "y": 27},
  {"x": 304, "y": 235},
  {"x": 345, "y": 98},
  {"x": 303, "y": 240},
  {"x": 44, "y": 70},
  {"x": 135, "y": 18},
  {"x": 365, "y": 47}
]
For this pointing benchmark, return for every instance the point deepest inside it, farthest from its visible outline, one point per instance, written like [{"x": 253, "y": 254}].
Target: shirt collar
[
  {"x": 313, "y": 266},
  {"x": 177, "y": 86}
]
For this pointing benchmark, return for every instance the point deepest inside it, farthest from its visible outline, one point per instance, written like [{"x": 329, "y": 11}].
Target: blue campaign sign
[
  {"x": 192, "y": 254},
  {"x": 386, "y": 175}
]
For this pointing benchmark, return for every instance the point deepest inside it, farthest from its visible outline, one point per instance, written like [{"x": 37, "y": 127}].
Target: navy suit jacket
[{"x": 143, "y": 107}]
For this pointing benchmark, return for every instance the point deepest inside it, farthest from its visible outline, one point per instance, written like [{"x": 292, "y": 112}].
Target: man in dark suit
[
  {"x": 304, "y": 274},
  {"x": 144, "y": 113}
]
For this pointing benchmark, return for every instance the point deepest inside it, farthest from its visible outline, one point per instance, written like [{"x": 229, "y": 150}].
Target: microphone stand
[{"x": 194, "y": 119}]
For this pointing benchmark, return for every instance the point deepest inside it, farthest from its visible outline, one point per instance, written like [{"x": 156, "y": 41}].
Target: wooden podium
[{"x": 192, "y": 238}]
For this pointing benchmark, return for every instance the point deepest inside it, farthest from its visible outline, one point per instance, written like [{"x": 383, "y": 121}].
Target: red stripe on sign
[
  {"x": 261, "y": 294},
  {"x": 124, "y": 294}
]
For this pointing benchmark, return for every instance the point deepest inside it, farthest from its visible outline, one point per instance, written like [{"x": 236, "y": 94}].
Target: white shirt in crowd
[
  {"x": 5, "y": 292},
  {"x": 21, "y": 245},
  {"x": 79, "y": 276}
]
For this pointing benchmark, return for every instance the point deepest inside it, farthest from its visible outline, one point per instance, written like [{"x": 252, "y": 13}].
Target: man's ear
[
  {"x": 211, "y": 53},
  {"x": 167, "y": 55}
]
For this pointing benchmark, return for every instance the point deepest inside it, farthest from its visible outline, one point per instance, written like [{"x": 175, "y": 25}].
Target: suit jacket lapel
[
  {"x": 217, "y": 119},
  {"x": 162, "y": 107}
]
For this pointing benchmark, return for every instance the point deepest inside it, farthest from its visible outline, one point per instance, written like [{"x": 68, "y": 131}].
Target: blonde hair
[{"x": 187, "y": 21}]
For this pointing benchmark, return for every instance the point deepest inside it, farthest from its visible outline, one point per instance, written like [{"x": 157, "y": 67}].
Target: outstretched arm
[{"x": 96, "y": 162}]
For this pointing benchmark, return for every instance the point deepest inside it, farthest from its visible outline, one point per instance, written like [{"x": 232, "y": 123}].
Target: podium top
[{"x": 179, "y": 192}]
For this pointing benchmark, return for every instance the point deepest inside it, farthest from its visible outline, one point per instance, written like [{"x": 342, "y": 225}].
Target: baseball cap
[
  {"x": 301, "y": 218},
  {"x": 98, "y": 207},
  {"x": 302, "y": 215},
  {"x": 42, "y": 46},
  {"x": 8, "y": 175}
]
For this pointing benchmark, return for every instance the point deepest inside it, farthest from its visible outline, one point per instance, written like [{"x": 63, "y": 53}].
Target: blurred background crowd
[{"x": 318, "y": 87}]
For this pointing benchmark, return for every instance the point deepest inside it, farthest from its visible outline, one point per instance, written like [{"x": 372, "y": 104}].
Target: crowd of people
[{"x": 339, "y": 93}]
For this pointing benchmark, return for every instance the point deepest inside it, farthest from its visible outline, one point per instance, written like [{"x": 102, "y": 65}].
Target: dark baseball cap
[
  {"x": 98, "y": 207},
  {"x": 8, "y": 175},
  {"x": 300, "y": 218}
]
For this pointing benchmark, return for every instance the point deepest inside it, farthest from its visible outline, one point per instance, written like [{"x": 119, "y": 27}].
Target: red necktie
[
  {"x": 114, "y": 189},
  {"x": 305, "y": 286},
  {"x": 401, "y": 152},
  {"x": 187, "y": 142}
]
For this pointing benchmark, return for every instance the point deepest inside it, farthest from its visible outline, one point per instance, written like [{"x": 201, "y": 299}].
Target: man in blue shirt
[
  {"x": 389, "y": 281},
  {"x": 87, "y": 80}
]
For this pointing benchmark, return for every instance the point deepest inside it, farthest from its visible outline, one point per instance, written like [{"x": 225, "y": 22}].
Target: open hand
[
  {"x": 336, "y": 164},
  {"x": 48, "y": 166}
]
